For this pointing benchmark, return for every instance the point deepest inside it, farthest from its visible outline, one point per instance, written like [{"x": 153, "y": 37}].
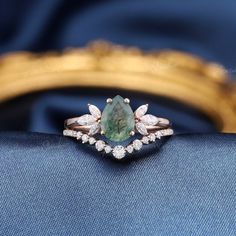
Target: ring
[{"x": 117, "y": 123}]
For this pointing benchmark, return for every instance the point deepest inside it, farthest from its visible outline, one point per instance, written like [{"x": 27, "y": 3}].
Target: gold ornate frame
[{"x": 176, "y": 75}]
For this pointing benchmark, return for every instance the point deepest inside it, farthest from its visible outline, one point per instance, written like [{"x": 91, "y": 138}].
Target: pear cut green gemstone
[{"x": 117, "y": 120}]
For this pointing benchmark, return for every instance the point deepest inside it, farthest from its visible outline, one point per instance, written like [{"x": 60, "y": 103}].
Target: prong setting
[
  {"x": 109, "y": 100},
  {"x": 126, "y": 101},
  {"x": 132, "y": 133}
]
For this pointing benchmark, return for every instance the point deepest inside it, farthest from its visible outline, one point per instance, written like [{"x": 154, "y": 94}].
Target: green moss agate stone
[{"x": 117, "y": 120}]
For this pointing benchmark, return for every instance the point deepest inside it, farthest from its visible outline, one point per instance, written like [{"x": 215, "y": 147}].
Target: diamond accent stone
[
  {"x": 74, "y": 133},
  {"x": 149, "y": 119},
  {"x": 92, "y": 140},
  {"x": 152, "y": 137},
  {"x": 119, "y": 152},
  {"x": 67, "y": 132},
  {"x": 145, "y": 140},
  {"x": 130, "y": 148},
  {"x": 167, "y": 132},
  {"x": 86, "y": 120},
  {"x": 70, "y": 133},
  {"x": 94, "y": 129},
  {"x": 141, "y": 111},
  {"x": 85, "y": 138},
  {"x": 158, "y": 134},
  {"x": 95, "y": 112},
  {"x": 170, "y": 131},
  {"x": 79, "y": 135},
  {"x": 141, "y": 128},
  {"x": 99, "y": 145},
  {"x": 107, "y": 149},
  {"x": 137, "y": 144}
]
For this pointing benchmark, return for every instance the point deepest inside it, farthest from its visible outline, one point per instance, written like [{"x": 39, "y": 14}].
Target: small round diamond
[
  {"x": 118, "y": 152},
  {"x": 145, "y": 140},
  {"x": 152, "y": 137},
  {"x": 85, "y": 138},
  {"x": 67, "y": 132},
  {"x": 130, "y": 148},
  {"x": 92, "y": 140},
  {"x": 100, "y": 145},
  {"x": 158, "y": 135},
  {"x": 79, "y": 135},
  {"x": 107, "y": 149},
  {"x": 137, "y": 144}
]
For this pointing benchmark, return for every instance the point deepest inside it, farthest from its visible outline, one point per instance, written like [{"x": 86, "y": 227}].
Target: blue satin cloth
[{"x": 52, "y": 185}]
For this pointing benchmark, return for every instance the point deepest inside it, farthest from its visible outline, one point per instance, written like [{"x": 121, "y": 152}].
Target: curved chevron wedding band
[{"x": 117, "y": 123}]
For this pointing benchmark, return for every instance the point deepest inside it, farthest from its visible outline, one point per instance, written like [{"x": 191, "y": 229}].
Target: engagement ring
[{"x": 117, "y": 124}]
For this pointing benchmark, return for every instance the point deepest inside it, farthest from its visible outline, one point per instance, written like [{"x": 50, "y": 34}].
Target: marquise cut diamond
[
  {"x": 86, "y": 120},
  {"x": 95, "y": 112},
  {"x": 149, "y": 119},
  {"x": 141, "y": 111},
  {"x": 141, "y": 128}
]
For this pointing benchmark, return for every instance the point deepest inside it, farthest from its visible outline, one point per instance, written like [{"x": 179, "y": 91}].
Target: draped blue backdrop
[{"x": 52, "y": 185}]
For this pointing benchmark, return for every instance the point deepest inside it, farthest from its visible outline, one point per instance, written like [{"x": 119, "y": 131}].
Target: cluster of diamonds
[{"x": 119, "y": 151}]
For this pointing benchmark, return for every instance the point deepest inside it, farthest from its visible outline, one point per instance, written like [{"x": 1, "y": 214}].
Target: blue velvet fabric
[{"x": 52, "y": 185}]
